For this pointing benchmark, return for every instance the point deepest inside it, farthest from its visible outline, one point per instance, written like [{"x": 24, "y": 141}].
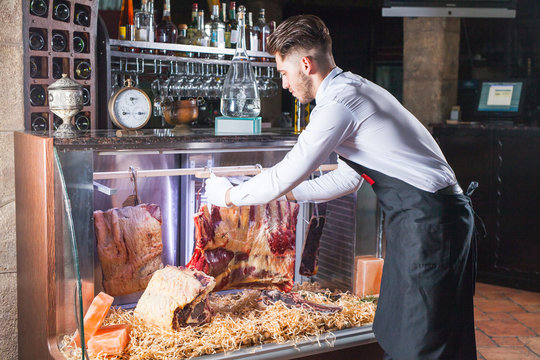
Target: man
[{"x": 425, "y": 308}]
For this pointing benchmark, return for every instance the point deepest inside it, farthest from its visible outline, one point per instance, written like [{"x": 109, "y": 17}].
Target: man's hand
[{"x": 216, "y": 189}]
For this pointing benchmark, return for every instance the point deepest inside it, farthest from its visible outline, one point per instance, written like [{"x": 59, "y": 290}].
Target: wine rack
[{"x": 59, "y": 37}]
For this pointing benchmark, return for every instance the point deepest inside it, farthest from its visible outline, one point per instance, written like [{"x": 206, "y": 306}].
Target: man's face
[{"x": 293, "y": 78}]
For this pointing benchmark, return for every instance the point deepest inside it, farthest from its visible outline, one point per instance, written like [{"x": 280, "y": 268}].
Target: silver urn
[{"x": 65, "y": 100}]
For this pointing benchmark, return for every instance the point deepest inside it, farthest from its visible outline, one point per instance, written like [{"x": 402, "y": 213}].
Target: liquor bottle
[
  {"x": 142, "y": 22},
  {"x": 253, "y": 42},
  {"x": 38, "y": 122},
  {"x": 82, "y": 69},
  {"x": 201, "y": 38},
  {"x": 192, "y": 27},
  {"x": 240, "y": 95},
  {"x": 35, "y": 67},
  {"x": 61, "y": 11},
  {"x": 262, "y": 29},
  {"x": 57, "y": 68},
  {"x": 86, "y": 96},
  {"x": 82, "y": 123},
  {"x": 126, "y": 24},
  {"x": 82, "y": 17},
  {"x": 38, "y": 8},
  {"x": 182, "y": 34},
  {"x": 223, "y": 18},
  {"x": 218, "y": 29},
  {"x": 79, "y": 45},
  {"x": 232, "y": 24},
  {"x": 166, "y": 31},
  {"x": 59, "y": 41},
  {"x": 37, "y": 95},
  {"x": 37, "y": 42}
]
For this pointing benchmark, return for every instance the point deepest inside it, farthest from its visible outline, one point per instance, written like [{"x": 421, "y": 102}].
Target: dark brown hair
[{"x": 300, "y": 32}]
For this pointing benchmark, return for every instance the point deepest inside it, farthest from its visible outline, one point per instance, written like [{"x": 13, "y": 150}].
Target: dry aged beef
[
  {"x": 248, "y": 246},
  {"x": 309, "y": 265},
  {"x": 129, "y": 246},
  {"x": 176, "y": 297},
  {"x": 294, "y": 300}
]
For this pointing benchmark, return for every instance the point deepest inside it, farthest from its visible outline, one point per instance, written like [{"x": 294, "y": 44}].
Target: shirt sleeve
[
  {"x": 342, "y": 181},
  {"x": 329, "y": 126}
]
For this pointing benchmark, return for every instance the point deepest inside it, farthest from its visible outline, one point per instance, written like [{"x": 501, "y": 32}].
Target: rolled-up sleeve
[{"x": 330, "y": 125}]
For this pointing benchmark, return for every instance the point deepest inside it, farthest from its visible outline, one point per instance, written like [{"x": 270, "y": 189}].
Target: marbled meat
[{"x": 248, "y": 246}]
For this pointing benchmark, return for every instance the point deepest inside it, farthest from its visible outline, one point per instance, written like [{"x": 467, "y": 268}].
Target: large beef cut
[
  {"x": 176, "y": 297},
  {"x": 129, "y": 246},
  {"x": 309, "y": 265},
  {"x": 248, "y": 246}
]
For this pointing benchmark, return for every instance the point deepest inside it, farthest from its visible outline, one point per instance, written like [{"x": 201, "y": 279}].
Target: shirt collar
[{"x": 325, "y": 83}]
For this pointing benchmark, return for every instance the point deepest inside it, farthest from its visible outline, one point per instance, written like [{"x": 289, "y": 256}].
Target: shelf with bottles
[{"x": 199, "y": 54}]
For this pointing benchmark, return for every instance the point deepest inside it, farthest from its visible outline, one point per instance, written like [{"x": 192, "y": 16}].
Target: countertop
[{"x": 185, "y": 139}]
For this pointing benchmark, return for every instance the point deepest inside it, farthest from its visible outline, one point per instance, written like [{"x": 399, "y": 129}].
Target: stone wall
[
  {"x": 430, "y": 67},
  {"x": 11, "y": 119}
]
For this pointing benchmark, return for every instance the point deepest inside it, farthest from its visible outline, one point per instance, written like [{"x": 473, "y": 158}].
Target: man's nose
[{"x": 284, "y": 82}]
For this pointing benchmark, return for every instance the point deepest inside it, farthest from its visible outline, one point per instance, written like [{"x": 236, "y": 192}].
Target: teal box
[{"x": 240, "y": 126}]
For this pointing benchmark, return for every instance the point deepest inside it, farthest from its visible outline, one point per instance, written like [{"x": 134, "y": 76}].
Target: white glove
[{"x": 216, "y": 187}]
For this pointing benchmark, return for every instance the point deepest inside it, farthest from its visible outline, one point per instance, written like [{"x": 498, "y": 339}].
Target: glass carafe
[{"x": 240, "y": 96}]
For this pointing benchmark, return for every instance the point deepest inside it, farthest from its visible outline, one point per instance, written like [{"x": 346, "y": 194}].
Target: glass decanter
[{"x": 240, "y": 95}]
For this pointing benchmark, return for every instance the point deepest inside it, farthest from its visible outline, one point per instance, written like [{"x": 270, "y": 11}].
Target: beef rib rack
[{"x": 248, "y": 246}]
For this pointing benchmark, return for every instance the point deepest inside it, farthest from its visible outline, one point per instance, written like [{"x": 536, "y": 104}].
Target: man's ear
[{"x": 307, "y": 65}]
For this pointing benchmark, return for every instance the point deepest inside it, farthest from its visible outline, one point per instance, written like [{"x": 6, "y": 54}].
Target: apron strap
[{"x": 479, "y": 233}]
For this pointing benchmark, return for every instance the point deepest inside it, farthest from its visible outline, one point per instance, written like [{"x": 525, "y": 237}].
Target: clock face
[{"x": 132, "y": 109}]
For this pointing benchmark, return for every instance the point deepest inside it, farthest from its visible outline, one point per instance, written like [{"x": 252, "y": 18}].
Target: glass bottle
[
  {"x": 263, "y": 30},
  {"x": 126, "y": 24},
  {"x": 37, "y": 95},
  {"x": 166, "y": 31},
  {"x": 218, "y": 29},
  {"x": 251, "y": 33},
  {"x": 86, "y": 96},
  {"x": 82, "y": 17},
  {"x": 223, "y": 18},
  {"x": 142, "y": 22},
  {"x": 192, "y": 27},
  {"x": 39, "y": 123},
  {"x": 82, "y": 123},
  {"x": 61, "y": 11},
  {"x": 201, "y": 38},
  {"x": 57, "y": 68},
  {"x": 58, "y": 41},
  {"x": 37, "y": 42},
  {"x": 79, "y": 45},
  {"x": 35, "y": 67},
  {"x": 240, "y": 95},
  {"x": 82, "y": 70},
  {"x": 232, "y": 24},
  {"x": 38, "y": 8}
]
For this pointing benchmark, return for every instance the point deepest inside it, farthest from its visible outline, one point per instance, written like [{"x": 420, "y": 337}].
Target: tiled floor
[{"x": 507, "y": 323}]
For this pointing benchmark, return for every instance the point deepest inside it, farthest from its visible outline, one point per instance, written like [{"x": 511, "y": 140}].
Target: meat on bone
[{"x": 248, "y": 246}]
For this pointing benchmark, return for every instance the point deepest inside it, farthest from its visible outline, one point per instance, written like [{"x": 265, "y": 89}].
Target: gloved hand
[{"x": 216, "y": 187}]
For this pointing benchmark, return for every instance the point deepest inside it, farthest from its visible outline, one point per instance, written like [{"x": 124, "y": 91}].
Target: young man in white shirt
[{"x": 425, "y": 308}]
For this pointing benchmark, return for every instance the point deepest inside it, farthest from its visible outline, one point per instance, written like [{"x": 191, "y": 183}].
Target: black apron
[{"x": 425, "y": 308}]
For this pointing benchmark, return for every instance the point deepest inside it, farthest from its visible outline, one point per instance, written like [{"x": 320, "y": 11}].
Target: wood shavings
[{"x": 239, "y": 323}]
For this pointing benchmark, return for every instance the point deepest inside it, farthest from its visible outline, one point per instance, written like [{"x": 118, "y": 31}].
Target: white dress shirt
[{"x": 364, "y": 123}]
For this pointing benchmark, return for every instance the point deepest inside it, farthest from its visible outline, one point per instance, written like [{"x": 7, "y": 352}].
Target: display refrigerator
[{"x": 60, "y": 182}]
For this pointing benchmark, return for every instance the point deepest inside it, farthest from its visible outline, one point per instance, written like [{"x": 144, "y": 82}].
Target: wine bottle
[
  {"x": 142, "y": 22},
  {"x": 37, "y": 95},
  {"x": 82, "y": 123},
  {"x": 58, "y": 41},
  {"x": 263, "y": 30},
  {"x": 79, "y": 45},
  {"x": 82, "y": 17},
  {"x": 232, "y": 24},
  {"x": 166, "y": 31},
  {"x": 192, "y": 27},
  {"x": 37, "y": 42},
  {"x": 38, "y": 122},
  {"x": 251, "y": 33},
  {"x": 35, "y": 67},
  {"x": 218, "y": 29},
  {"x": 126, "y": 24},
  {"x": 57, "y": 68},
  {"x": 82, "y": 69},
  {"x": 86, "y": 96},
  {"x": 61, "y": 11},
  {"x": 201, "y": 38},
  {"x": 38, "y": 8}
]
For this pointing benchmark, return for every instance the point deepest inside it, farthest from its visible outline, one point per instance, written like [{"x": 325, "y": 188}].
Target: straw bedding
[{"x": 239, "y": 323}]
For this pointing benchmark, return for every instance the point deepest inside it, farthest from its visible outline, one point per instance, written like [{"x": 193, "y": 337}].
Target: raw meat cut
[
  {"x": 309, "y": 264},
  {"x": 293, "y": 300},
  {"x": 248, "y": 246},
  {"x": 129, "y": 246},
  {"x": 109, "y": 340},
  {"x": 94, "y": 317},
  {"x": 176, "y": 297}
]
